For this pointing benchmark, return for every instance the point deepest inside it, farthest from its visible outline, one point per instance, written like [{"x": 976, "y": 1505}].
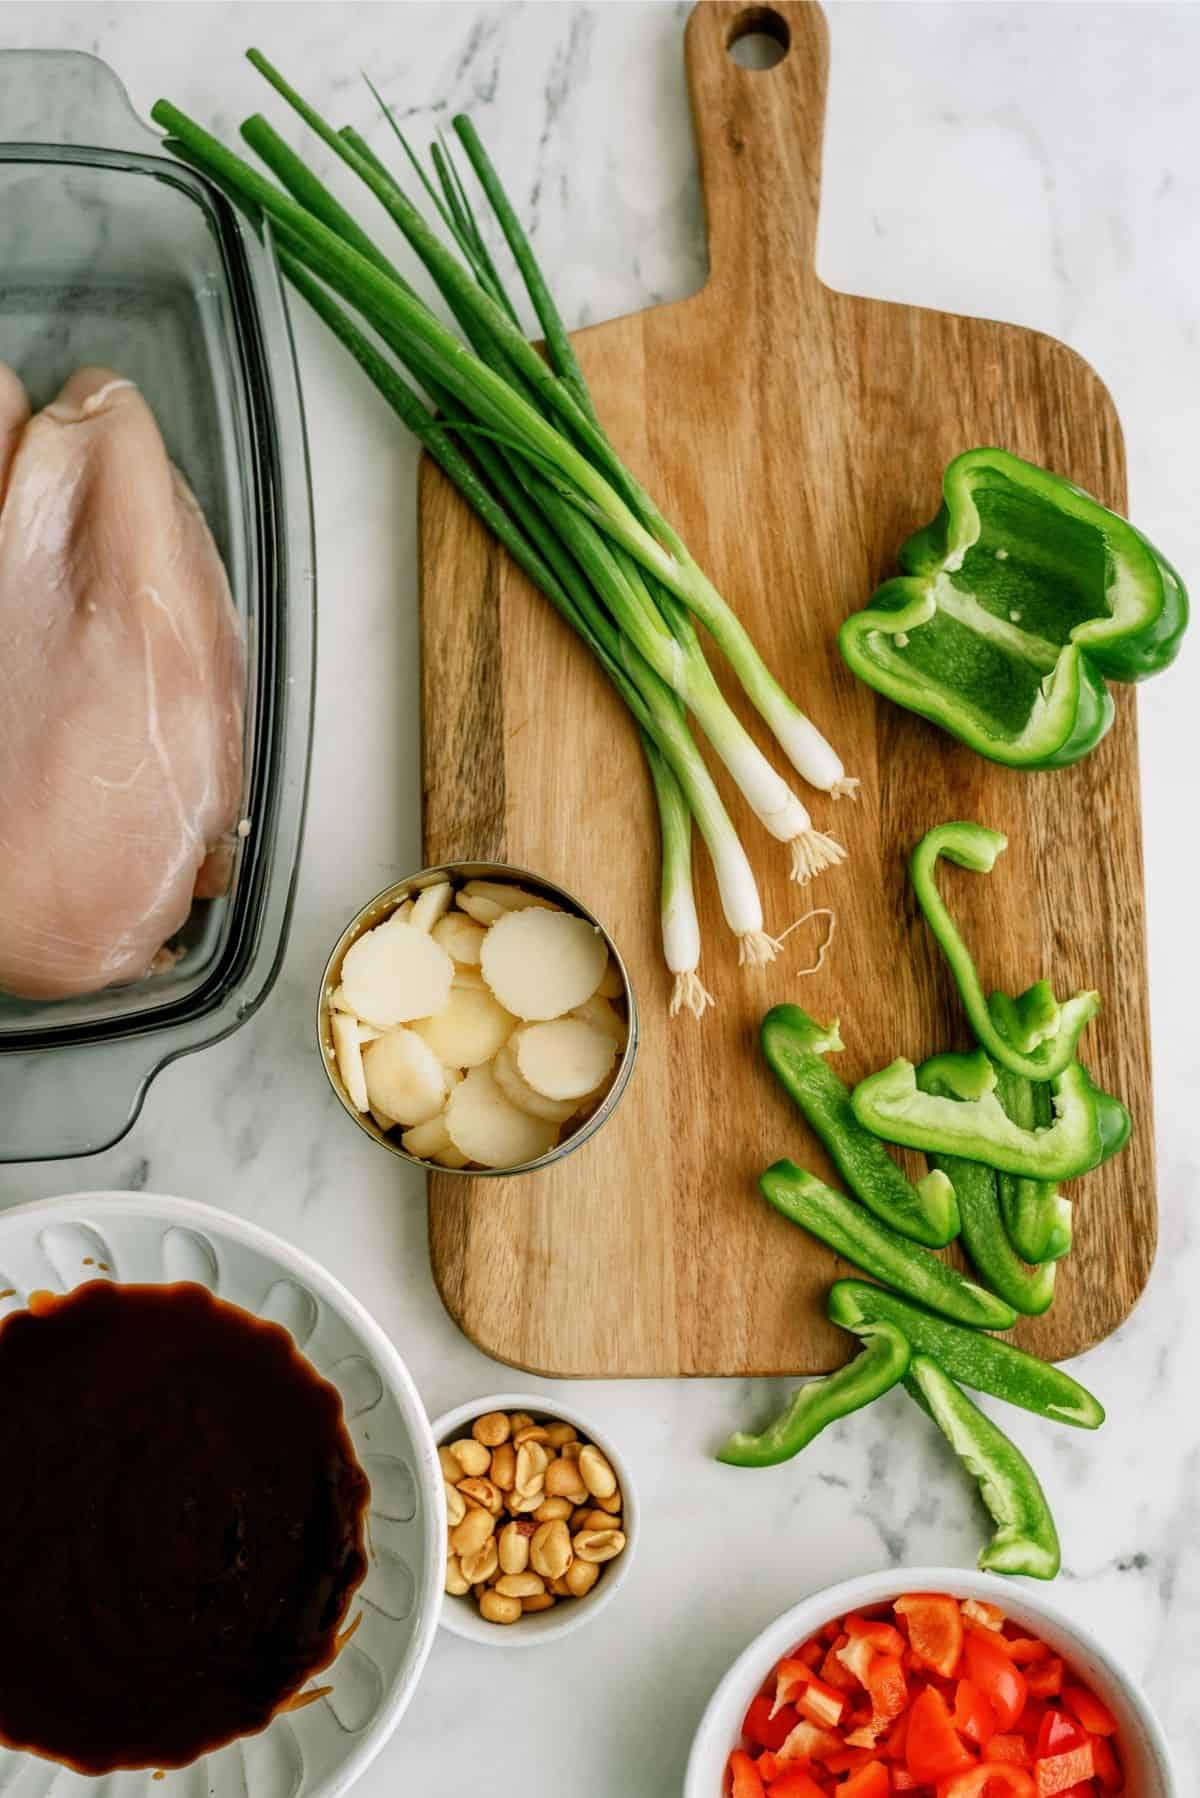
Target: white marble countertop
[{"x": 1036, "y": 163}]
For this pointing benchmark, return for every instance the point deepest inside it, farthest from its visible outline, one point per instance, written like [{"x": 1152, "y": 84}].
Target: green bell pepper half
[
  {"x": 851, "y": 1231},
  {"x": 973, "y": 1123},
  {"x": 1033, "y": 1035},
  {"x": 795, "y": 1046},
  {"x": 1028, "y": 1290},
  {"x": 983, "y": 1362},
  {"x": 882, "y": 1365},
  {"x": 1025, "y": 1539},
  {"x": 1016, "y": 604},
  {"x": 1037, "y": 1218}
]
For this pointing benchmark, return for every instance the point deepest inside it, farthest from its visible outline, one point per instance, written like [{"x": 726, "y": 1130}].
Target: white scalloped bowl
[
  {"x": 1148, "y": 1766},
  {"x": 321, "y": 1749}
]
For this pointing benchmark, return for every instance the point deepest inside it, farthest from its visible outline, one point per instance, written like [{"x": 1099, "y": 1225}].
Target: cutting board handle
[{"x": 759, "y": 133}]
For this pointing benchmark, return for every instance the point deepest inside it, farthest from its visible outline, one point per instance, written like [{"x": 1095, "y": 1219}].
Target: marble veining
[{"x": 1034, "y": 163}]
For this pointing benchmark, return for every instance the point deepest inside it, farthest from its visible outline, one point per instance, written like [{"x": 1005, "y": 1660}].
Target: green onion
[{"x": 522, "y": 442}]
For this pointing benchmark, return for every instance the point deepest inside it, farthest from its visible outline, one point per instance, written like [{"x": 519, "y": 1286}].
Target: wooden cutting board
[{"x": 796, "y": 436}]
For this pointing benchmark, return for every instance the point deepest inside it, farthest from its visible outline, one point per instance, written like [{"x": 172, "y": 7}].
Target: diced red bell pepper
[
  {"x": 888, "y": 1688},
  {"x": 835, "y": 1672},
  {"x": 1108, "y": 1767},
  {"x": 933, "y": 1749},
  {"x": 809, "y": 1742},
  {"x": 988, "y": 1616},
  {"x": 821, "y": 1704},
  {"x": 856, "y": 1655},
  {"x": 849, "y": 1760},
  {"x": 989, "y": 1779},
  {"x": 973, "y": 1715},
  {"x": 810, "y": 1653},
  {"x": 791, "y": 1677},
  {"x": 764, "y": 1727},
  {"x": 1095, "y": 1716},
  {"x": 1086, "y": 1790},
  {"x": 1002, "y": 1683},
  {"x": 744, "y": 1776},
  {"x": 935, "y": 1630},
  {"x": 896, "y": 1737},
  {"x": 1012, "y": 1749},
  {"x": 902, "y": 1780},
  {"x": 871, "y": 1781},
  {"x": 883, "y": 1636},
  {"x": 1045, "y": 1678},
  {"x": 794, "y": 1782},
  {"x": 769, "y": 1766},
  {"x": 1026, "y": 1650},
  {"x": 1059, "y": 1772},
  {"x": 1058, "y": 1734}
]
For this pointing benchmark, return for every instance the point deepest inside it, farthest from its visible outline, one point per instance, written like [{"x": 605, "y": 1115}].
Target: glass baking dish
[{"x": 113, "y": 253}]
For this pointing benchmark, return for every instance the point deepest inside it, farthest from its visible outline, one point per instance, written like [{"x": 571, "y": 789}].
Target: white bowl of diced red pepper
[{"x": 935, "y": 1683}]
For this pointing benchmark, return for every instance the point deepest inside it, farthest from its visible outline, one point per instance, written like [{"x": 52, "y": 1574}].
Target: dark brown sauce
[{"x": 181, "y": 1525}]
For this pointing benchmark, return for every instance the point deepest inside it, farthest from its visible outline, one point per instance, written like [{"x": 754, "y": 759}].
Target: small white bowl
[
  {"x": 461, "y": 1615},
  {"x": 1148, "y": 1767}
]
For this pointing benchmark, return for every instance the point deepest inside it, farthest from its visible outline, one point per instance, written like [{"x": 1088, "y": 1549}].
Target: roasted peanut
[
  {"x": 520, "y": 1504},
  {"x": 473, "y": 1459},
  {"x": 558, "y": 1433},
  {"x": 482, "y": 1567},
  {"x": 483, "y": 1493},
  {"x": 542, "y": 1601},
  {"x": 550, "y": 1549},
  {"x": 596, "y": 1520},
  {"x": 451, "y": 1470},
  {"x": 562, "y": 1481},
  {"x": 504, "y": 1467},
  {"x": 611, "y": 1504},
  {"x": 571, "y": 1451},
  {"x": 456, "y": 1505},
  {"x": 532, "y": 1461},
  {"x": 468, "y": 1537},
  {"x": 491, "y": 1429},
  {"x": 520, "y": 1420},
  {"x": 521, "y": 1585},
  {"x": 496, "y": 1608},
  {"x": 514, "y": 1547},
  {"x": 456, "y": 1581},
  {"x": 531, "y": 1432},
  {"x": 598, "y": 1476},
  {"x": 559, "y": 1588},
  {"x": 552, "y": 1508},
  {"x": 598, "y": 1545},
  {"x": 581, "y": 1577},
  {"x": 578, "y": 1515}
]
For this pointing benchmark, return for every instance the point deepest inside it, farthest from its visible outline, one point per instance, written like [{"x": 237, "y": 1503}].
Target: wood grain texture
[{"x": 796, "y": 435}]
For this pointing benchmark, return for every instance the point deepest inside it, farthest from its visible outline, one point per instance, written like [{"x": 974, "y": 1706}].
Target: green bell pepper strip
[
  {"x": 1016, "y": 604},
  {"x": 1025, "y": 1539},
  {"x": 795, "y": 1046},
  {"x": 983, "y": 1362},
  {"x": 1033, "y": 1035},
  {"x": 882, "y": 1365},
  {"x": 1029, "y": 1291},
  {"x": 1037, "y": 1218},
  {"x": 851, "y": 1231},
  {"x": 974, "y": 1125}
]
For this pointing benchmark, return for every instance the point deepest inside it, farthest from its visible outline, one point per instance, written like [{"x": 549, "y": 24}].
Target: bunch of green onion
[{"x": 519, "y": 437}]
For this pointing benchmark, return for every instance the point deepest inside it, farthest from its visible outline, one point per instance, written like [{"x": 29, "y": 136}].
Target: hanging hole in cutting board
[{"x": 758, "y": 39}]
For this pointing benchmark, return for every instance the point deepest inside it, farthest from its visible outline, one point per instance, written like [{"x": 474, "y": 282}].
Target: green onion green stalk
[{"x": 520, "y": 438}]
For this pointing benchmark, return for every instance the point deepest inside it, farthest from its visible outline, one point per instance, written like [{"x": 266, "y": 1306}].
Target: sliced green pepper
[
  {"x": 1016, "y": 603},
  {"x": 882, "y": 1365},
  {"x": 1028, "y": 1290},
  {"x": 983, "y": 1362},
  {"x": 1037, "y": 1219},
  {"x": 974, "y": 1125},
  {"x": 795, "y": 1046},
  {"x": 854, "y": 1234},
  {"x": 1025, "y": 1540},
  {"x": 1033, "y": 1035}
]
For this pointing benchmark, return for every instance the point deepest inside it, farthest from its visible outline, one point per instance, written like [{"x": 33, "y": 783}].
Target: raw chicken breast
[{"x": 121, "y": 692}]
